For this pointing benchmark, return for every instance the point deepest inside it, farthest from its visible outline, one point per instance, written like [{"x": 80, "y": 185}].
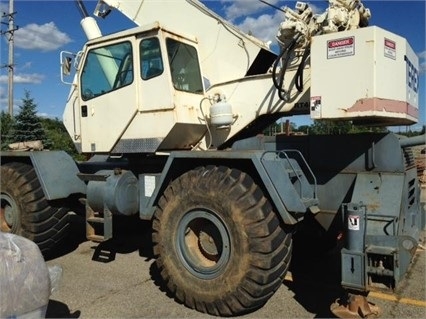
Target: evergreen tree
[
  {"x": 6, "y": 123},
  {"x": 27, "y": 125}
]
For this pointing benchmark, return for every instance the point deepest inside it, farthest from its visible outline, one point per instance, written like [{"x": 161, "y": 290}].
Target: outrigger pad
[{"x": 355, "y": 306}]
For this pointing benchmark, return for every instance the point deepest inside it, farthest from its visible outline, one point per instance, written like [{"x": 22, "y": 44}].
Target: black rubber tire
[
  {"x": 26, "y": 212},
  {"x": 251, "y": 251}
]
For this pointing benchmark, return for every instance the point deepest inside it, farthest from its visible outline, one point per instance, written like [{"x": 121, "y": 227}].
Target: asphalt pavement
[{"x": 118, "y": 279}]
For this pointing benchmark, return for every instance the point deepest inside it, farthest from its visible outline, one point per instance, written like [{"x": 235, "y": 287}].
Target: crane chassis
[{"x": 173, "y": 122}]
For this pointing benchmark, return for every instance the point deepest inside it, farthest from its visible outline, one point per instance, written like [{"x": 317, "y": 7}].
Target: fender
[
  {"x": 277, "y": 186},
  {"x": 56, "y": 171}
]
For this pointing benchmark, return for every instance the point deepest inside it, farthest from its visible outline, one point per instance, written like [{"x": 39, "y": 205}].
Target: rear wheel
[
  {"x": 219, "y": 245},
  {"x": 26, "y": 212}
]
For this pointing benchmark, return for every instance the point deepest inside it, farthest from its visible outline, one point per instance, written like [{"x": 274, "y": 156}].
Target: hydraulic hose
[
  {"x": 300, "y": 70},
  {"x": 82, "y": 8},
  {"x": 278, "y": 83}
]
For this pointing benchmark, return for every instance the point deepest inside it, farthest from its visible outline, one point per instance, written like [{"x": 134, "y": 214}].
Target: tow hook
[{"x": 355, "y": 306}]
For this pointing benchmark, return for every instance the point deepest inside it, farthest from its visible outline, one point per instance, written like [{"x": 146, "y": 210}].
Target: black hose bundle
[
  {"x": 278, "y": 79},
  {"x": 299, "y": 73},
  {"x": 282, "y": 93}
]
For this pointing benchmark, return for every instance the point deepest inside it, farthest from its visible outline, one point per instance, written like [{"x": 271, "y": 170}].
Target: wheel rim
[
  {"x": 203, "y": 244},
  {"x": 9, "y": 214}
]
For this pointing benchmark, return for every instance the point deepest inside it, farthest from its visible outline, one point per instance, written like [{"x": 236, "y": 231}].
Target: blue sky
[{"x": 47, "y": 27}]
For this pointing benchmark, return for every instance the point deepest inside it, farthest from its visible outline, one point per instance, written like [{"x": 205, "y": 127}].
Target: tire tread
[
  {"x": 44, "y": 224},
  {"x": 269, "y": 244}
]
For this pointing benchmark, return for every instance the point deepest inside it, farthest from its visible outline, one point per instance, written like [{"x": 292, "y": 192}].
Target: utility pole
[{"x": 10, "y": 34}]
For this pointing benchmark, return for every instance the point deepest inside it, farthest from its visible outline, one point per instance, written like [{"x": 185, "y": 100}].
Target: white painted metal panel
[
  {"x": 364, "y": 75},
  {"x": 254, "y": 96}
]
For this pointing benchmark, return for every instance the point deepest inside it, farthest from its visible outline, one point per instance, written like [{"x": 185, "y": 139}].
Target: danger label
[
  {"x": 340, "y": 48},
  {"x": 353, "y": 222},
  {"x": 315, "y": 106},
  {"x": 390, "y": 49}
]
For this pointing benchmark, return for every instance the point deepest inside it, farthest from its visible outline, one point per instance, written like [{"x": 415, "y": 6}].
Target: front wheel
[
  {"x": 26, "y": 212},
  {"x": 219, "y": 245}
]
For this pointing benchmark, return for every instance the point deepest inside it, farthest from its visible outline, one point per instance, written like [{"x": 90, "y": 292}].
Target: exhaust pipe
[{"x": 413, "y": 141}]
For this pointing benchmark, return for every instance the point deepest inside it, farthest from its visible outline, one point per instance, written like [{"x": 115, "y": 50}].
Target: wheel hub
[
  {"x": 208, "y": 245},
  {"x": 8, "y": 213},
  {"x": 203, "y": 244}
]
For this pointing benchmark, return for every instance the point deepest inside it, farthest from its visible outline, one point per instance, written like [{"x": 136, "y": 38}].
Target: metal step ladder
[{"x": 98, "y": 223}]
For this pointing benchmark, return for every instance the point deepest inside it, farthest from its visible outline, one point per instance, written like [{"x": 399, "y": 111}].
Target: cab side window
[
  {"x": 151, "y": 61},
  {"x": 184, "y": 66}
]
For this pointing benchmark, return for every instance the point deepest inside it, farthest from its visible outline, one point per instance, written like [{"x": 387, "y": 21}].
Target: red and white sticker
[
  {"x": 315, "y": 106},
  {"x": 340, "y": 48},
  {"x": 390, "y": 49}
]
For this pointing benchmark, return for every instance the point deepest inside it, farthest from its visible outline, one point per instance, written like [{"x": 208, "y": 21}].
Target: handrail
[
  {"x": 287, "y": 158},
  {"x": 306, "y": 165}
]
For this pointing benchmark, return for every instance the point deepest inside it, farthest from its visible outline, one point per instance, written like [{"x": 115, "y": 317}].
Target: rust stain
[{"x": 384, "y": 105}]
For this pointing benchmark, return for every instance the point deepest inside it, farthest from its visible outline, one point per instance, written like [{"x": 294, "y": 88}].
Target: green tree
[
  {"x": 303, "y": 129},
  {"x": 27, "y": 125},
  {"x": 6, "y": 123},
  {"x": 280, "y": 127},
  {"x": 342, "y": 127},
  {"x": 330, "y": 127},
  {"x": 409, "y": 132},
  {"x": 58, "y": 135}
]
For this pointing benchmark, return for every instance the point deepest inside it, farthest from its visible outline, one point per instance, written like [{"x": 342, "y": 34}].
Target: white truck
[{"x": 172, "y": 110}]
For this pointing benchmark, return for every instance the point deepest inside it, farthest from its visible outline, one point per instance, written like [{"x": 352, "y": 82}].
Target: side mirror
[{"x": 66, "y": 65}]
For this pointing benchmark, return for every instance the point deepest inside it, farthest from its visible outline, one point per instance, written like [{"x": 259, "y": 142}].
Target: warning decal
[
  {"x": 353, "y": 222},
  {"x": 315, "y": 106},
  {"x": 390, "y": 49},
  {"x": 340, "y": 48}
]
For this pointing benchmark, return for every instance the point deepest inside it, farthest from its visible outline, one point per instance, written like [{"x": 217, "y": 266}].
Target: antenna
[{"x": 10, "y": 34}]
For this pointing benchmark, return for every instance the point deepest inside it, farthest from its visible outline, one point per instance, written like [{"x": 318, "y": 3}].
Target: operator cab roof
[{"x": 155, "y": 26}]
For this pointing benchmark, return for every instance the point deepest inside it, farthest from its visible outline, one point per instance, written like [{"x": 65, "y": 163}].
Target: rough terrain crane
[{"x": 172, "y": 111}]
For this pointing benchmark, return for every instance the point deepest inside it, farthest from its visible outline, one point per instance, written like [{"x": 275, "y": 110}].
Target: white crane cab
[{"x": 133, "y": 89}]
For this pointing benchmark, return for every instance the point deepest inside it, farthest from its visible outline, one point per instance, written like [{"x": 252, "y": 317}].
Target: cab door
[{"x": 108, "y": 94}]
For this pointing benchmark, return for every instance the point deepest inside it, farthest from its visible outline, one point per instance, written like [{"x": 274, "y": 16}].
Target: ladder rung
[
  {"x": 96, "y": 238},
  {"x": 97, "y": 220},
  {"x": 98, "y": 226}
]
